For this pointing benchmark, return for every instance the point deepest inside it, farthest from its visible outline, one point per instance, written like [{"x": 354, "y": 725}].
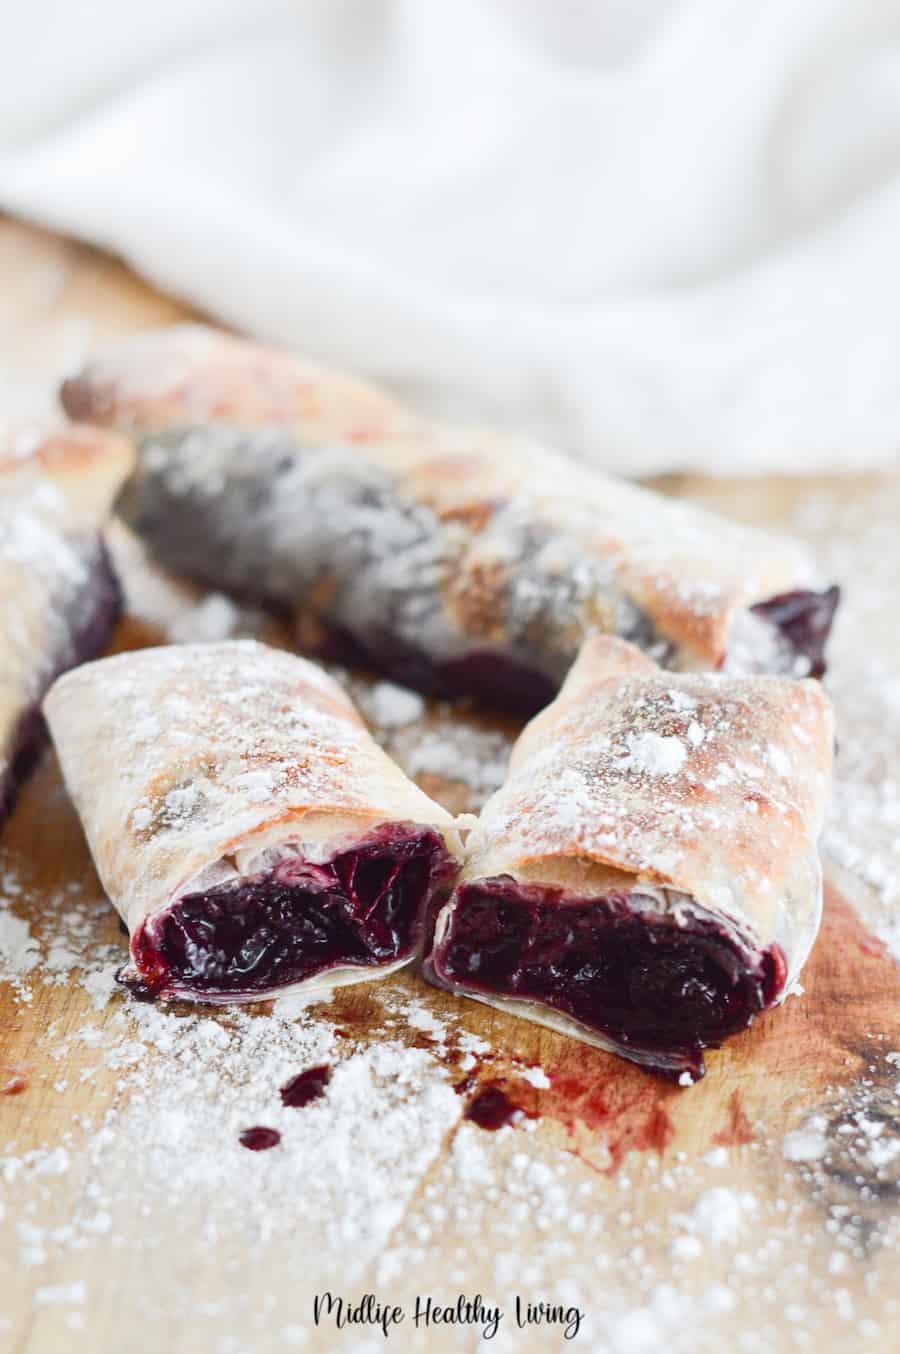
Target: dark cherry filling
[
  {"x": 498, "y": 681},
  {"x": 804, "y": 620},
  {"x": 663, "y": 992},
  {"x": 492, "y": 678},
  {"x": 98, "y": 607},
  {"x": 365, "y": 907}
]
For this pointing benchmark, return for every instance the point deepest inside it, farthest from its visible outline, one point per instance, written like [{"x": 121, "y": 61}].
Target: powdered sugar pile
[
  {"x": 64, "y": 933},
  {"x": 185, "y": 1088},
  {"x": 454, "y": 751},
  {"x": 655, "y": 755},
  {"x": 339, "y": 1179},
  {"x": 718, "y": 1216},
  {"x": 389, "y": 706},
  {"x": 19, "y": 952}
]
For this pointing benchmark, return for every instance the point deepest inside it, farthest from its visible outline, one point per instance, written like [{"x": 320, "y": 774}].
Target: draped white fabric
[{"x": 660, "y": 235}]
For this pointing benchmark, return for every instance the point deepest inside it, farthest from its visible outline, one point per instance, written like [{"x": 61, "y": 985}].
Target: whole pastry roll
[
  {"x": 647, "y": 878},
  {"x": 252, "y": 835},
  {"x": 462, "y": 562},
  {"x": 59, "y": 598}
]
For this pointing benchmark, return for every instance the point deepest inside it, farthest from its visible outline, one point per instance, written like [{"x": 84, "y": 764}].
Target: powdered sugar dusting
[{"x": 334, "y": 1188}]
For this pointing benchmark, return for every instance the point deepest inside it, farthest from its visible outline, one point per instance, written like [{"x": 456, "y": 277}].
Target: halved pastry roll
[
  {"x": 647, "y": 878},
  {"x": 460, "y": 561},
  {"x": 59, "y": 598},
  {"x": 250, "y": 832}
]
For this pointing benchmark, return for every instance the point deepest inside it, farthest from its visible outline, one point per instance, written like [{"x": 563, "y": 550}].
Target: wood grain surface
[{"x": 635, "y": 1152}]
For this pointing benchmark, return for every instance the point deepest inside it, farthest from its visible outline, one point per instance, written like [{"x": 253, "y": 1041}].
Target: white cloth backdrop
[{"x": 662, "y": 235}]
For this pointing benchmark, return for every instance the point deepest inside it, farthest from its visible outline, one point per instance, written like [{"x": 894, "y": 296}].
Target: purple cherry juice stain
[
  {"x": 492, "y": 1109},
  {"x": 260, "y": 1139},
  {"x": 305, "y": 1087}
]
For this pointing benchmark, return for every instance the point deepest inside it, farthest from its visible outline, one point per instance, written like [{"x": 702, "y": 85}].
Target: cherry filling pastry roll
[
  {"x": 462, "y": 562},
  {"x": 250, "y": 832},
  {"x": 647, "y": 878},
  {"x": 59, "y": 599}
]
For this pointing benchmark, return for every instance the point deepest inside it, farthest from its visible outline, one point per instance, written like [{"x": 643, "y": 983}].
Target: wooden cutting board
[{"x": 672, "y": 1219}]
